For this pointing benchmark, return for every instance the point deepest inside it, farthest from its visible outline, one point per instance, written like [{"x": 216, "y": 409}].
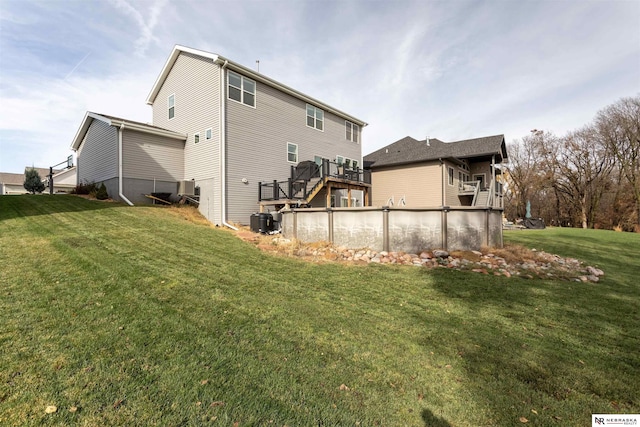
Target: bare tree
[
  {"x": 619, "y": 127},
  {"x": 583, "y": 168}
]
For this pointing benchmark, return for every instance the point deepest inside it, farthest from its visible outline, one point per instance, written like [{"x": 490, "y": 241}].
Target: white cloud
[
  {"x": 450, "y": 70},
  {"x": 145, "y": 26}
]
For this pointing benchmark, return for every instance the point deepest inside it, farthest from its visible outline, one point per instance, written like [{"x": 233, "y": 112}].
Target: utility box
[
  {"x": 187, "y": 188},
  {"x": 265, "y": 221},
  {"x": 254, "y": 223}
]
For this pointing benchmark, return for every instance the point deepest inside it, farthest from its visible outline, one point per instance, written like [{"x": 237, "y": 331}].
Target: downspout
[
  {"x": 223, "y": 151},
  {"x": 120, "y": 193}
]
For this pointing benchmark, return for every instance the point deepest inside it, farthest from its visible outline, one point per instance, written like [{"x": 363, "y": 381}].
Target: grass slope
[{"x": 136, "y": 316}]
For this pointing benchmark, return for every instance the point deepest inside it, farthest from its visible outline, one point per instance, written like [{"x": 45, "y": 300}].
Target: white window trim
[
  {"x": 242, "y": 79},
  {"x": 170, "y": 107},
  {"x": 196, "y": 137},
  {"x": 353, "y": 126},
  {"x": 314, "y": 117},
  {"x": 208, "y": 133},
  {"x": 297, "y": 153},
  {"x": 451, "y": 173}
]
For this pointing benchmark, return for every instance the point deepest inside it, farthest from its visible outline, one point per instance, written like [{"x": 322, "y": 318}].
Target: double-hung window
[
  {"x": 171, "y": 104},
  {"x": 450, "y": 173},
  {"x": 315, "y": 117},
  {"x": 352, "y": 131},
  {"x": 292, "y": 152},
  {"x": 241, "y": 89},
  {"x": 207, "y": 133}
]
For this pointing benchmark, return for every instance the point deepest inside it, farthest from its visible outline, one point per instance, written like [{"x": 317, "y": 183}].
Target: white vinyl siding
[
  {"x": 241, "y": 89},
  {"x": 315, "y": 117}
]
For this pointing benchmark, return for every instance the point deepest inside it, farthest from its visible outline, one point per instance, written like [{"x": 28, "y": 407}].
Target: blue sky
[{"x": 446, "y": 69}]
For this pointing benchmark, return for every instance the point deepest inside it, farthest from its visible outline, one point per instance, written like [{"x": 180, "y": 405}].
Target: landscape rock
[
  {"x": 438, "y": 253},
  {"x": 531, "y": 264}
]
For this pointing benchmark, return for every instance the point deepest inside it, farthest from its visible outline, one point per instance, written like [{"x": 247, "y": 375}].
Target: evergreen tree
[
  {"x": 32, "y": 181},
  {"x": 102, "y": 194}
]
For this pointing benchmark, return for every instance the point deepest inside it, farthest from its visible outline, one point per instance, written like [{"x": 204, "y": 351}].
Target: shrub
[
  {"x": 84, "y": 188},
  {"x": 101, "y": 193}
]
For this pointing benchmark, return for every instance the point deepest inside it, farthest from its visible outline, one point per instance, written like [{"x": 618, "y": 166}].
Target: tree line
[{"x": 588, "y": 178}]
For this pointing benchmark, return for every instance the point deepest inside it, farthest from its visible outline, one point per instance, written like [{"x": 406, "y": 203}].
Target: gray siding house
[{"x": 224, "y": 127}]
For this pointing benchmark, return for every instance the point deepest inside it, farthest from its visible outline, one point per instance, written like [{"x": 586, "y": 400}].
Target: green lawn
[{"x": 136, "y": 316}]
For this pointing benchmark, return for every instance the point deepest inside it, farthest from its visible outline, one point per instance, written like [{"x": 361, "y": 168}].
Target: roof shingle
[{"x": 409, "y": 150}]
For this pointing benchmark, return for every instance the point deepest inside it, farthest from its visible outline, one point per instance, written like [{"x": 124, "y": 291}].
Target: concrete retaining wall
[{"x": 397, "y": 229}]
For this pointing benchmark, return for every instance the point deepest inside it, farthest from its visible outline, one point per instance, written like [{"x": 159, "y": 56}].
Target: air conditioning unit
[{"x": 187, "y": 188}]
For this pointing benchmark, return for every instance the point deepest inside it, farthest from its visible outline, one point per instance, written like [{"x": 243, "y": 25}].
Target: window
[
  {"x": 196, "y": 138},
  {"x": 207, "y": 133},
  {"x": 171, "y": 102},
  {"x": 352, "y": 132},
  {"x": 315, "y": 117},
  {"x": 292, "y": 152},
  {"x": 450, "y": 170},
  {"x": 348, "y": 163},
  {"x": 241, "y": 89}
]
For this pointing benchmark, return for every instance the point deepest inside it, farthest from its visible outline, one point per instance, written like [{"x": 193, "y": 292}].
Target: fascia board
[
  {"x": 150, "y": 130},
  {"x": 286, "y": 89},
  {"x": 84, "y": 127}
]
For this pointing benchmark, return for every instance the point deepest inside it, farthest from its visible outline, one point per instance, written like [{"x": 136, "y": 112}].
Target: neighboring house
[
  {"x": 13, "y": 183},
  {"x": 431, "y": 172},
  {"x": 225, "y": 128}
]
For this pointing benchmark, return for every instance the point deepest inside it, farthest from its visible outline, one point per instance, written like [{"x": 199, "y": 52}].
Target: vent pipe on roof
[
  {"x": 428, "y": 143},
  {"x": 257, "y": 65}
]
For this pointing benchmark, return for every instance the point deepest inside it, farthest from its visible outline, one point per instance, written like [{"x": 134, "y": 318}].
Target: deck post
[
  {"x": 289, "y": 189},
  {"x": 486, "y": 226},
  {"x": 330, "y": 224},
  {"x": 276, "y": 193},
  {"x": 445, "y": 237},
  {"x": 385, "y": 228},
  {"x": 295, "y": 224},
  {"x": 260, "y": 191}
]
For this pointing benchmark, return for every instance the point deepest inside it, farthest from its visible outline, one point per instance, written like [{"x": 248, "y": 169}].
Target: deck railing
[{"x": 296, "y": 186}]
